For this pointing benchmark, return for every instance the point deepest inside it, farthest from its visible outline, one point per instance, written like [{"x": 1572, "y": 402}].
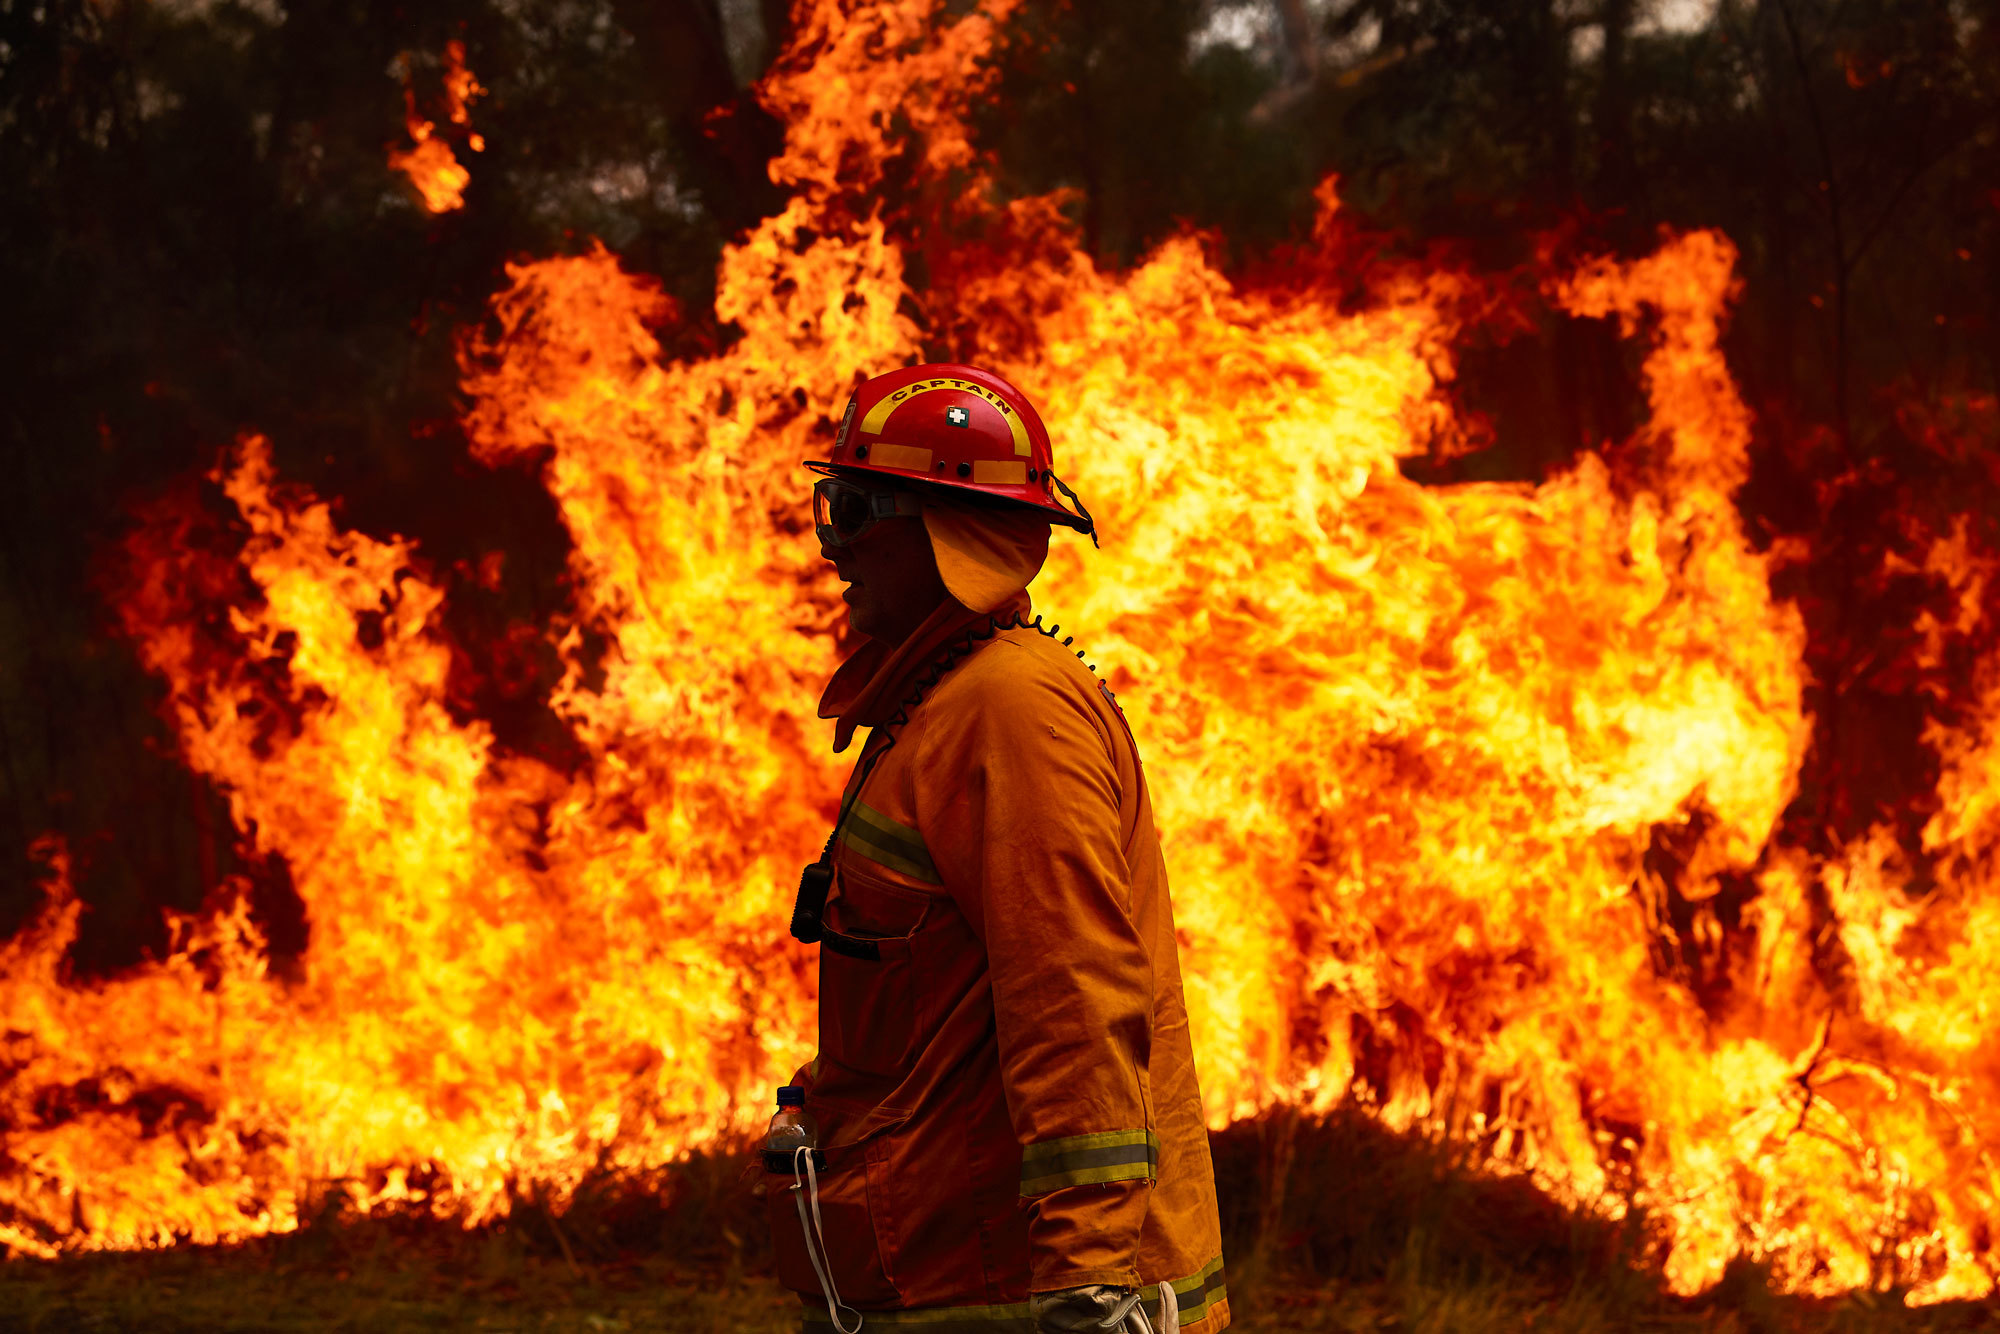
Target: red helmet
[{"x": 956, "y": 428}]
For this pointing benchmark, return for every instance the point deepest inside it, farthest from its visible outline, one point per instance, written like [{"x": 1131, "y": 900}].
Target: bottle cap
[{"x": 792, "y": 1095}]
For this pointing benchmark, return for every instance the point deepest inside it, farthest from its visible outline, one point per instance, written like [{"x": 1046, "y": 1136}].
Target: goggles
[{"x": 843, "y": 511}]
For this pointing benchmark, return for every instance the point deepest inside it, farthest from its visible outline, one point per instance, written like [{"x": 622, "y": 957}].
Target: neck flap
[{"x": 868, "y": 689}]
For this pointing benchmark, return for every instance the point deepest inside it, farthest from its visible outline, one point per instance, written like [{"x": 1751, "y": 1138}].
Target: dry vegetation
[{"x": 1390, "y": 1235}]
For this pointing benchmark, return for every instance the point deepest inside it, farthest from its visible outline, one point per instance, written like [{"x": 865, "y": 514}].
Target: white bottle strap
[{"x": 823, "y": 1270}]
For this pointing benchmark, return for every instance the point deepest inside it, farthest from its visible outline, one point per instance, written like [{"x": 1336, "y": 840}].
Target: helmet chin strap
[{"x": 1060, "y": 486}]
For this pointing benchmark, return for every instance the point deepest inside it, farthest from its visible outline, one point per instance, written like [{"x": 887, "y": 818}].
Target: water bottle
[{"x": 791, "y": 1129}]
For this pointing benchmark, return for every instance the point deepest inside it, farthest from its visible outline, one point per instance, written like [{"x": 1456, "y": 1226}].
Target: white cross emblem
[{"x": 957, "y": 416}]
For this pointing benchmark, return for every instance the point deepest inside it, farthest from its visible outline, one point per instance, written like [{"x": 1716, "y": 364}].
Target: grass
[{"x": 1357, "y": 1229}]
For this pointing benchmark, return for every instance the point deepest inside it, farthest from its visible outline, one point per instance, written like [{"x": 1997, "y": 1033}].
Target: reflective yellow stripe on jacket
[
  {"x": 880, "y": 839},
  {"x": 1082, "y": 1160}
]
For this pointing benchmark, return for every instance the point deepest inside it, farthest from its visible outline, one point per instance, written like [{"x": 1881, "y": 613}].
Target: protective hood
[
  {"x": 866, "y": 689},
  {"x": 985, "y": 556}
]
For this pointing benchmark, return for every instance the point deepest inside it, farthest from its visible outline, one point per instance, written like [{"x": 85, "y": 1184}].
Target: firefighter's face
[{"x": 892, "y": 578}]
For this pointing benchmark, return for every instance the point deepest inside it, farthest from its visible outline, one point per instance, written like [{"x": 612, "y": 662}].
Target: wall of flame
[{"x": 1409, "y": 746}]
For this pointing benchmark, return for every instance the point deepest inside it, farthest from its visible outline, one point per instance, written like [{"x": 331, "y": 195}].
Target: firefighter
[{"x": 1005, "y": 1090}]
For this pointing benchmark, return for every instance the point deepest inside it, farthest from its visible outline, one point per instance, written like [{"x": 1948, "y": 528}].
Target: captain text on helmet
[{"x": 1005, "y": 1090}]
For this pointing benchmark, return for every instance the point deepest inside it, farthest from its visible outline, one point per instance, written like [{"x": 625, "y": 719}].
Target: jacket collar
[{"x": 867, "y": 689}]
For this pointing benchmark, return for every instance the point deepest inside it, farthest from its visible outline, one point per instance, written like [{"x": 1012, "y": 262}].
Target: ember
[{"x": 1431, "y": 764}]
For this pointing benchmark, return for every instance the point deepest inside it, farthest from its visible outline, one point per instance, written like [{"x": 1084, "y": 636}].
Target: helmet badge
[{"x": 846, "y": 422}]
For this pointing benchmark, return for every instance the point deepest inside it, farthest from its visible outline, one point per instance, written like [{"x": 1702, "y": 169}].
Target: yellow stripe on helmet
[{"x": 878, "y": 416}]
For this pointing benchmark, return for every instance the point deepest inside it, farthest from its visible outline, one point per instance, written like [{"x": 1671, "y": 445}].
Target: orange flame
[
  {"x": 429, "y": 162},
  {"x": 1426, "y": 761}
]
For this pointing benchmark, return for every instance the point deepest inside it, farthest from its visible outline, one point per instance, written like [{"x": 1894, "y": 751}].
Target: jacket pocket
[
  {"x": 854, "y": 1247},
  {"x": 870, "y": 1010}
]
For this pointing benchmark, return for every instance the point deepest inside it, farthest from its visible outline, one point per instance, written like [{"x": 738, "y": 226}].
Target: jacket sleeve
[{"x": 1019, "y": 806}]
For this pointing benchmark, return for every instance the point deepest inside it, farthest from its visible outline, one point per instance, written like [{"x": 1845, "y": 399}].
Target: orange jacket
[{"x": 1006, "y": 1096}]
